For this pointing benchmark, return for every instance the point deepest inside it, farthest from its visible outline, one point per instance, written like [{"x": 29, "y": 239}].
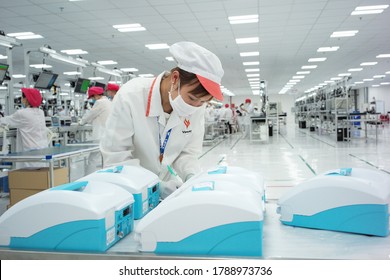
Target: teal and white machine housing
[
  {"x": 352, "y": 200},
  {"x": 242, "y": 176},
  {"x": 79, "y": 216},
  {"x": 212, "y": 217},
  {"x": 143, "y": 184}
]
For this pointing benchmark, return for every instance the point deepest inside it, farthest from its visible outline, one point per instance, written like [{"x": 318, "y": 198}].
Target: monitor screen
[
  {"x": 45, "y": 80},
  {"x": 55, "y": 121},
  {"x": 82, "y": 85},
  {"x": 3, "y": 71},
  {"x": 97, "y": 84}
]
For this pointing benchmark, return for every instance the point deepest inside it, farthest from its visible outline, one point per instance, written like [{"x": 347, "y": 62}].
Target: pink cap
[
  {"x": 95, "y": 91},
  {"x": 33, "y": 96},
  {"x": 112, "y": 86}
]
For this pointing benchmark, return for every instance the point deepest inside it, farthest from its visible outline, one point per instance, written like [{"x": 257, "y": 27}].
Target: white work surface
[{"x": 279, "y": 242}]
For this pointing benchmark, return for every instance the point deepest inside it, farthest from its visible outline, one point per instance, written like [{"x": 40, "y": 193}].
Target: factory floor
[{"x": 294, "y": 155}]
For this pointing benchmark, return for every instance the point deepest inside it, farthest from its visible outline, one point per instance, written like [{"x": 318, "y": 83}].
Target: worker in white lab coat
[
  {"x": 97, "y": 116},
  {"x": 247, "y": 108},
  {"x": 30, "y": 122},
  {"x": 159, "y": 122}
]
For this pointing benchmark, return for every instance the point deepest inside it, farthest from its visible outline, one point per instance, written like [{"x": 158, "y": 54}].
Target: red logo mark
[{"x": 187, "y": 123}]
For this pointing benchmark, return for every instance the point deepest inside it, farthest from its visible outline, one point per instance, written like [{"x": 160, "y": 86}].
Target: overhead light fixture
[
  {"x": 298, "y": 77},
  {"x": 46, "y": 50},
  {"x": 250, "y": 40},
  {"x": 388, "y": 72},
  {"x": 318, "y": 59},
  {"x": 132, "y": 27},
  {"x": 72, "y": 73},
  {"x": 243, "y": 19},
  {"x": 169, "y": 58},
  {"x": 328, "y": 49},
  {"x": 379, "y": 76},
  {"x": 18, "y": 76},
  {"x": 367, "y": 80},
  {"x": 107, "y": 62},
  {"x": 344, "y": 74},
  {"x": 303, "y": 72},
  {"x": 250, "y": 63},
  {"x": 249, "y": 54},
  {"x": 368, "y": 63},
  {"x": 157, "y": 46},
  {"x": 309, "y": 67},
  {"x": 41, "y": 66},
  {"x": 294, "y": 81},
  {"x": 358, "y": 83},
  {"x": 383, "y": 55},
  {"x": 74, "y": 51},
  {"x": 385, "y": 83},
  {"x": 254, "y": 79},
  {"x": 252, "y": 70},
  {"x": 68, "y": 59},
  {"x": 355, "y": 69},
  {"x": 129, "y": 69},
  {"x": 146, "y": 75},
  {"x": 375, "y": 85},
  {"x": 252, "y": 75},
  {"x": 25, "y": 35},
  {"x": 95, "y": 78},
  {"x": 3, "y": 56},
  {"x": 349, "y": 33},
  {"x": 8, "y": 42},
  {"x": 366, "y": 10},
  {"x": 336, "y": 79}
]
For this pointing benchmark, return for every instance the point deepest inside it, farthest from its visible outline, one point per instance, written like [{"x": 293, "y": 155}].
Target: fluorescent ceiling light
[
  {"x": 328, "y": 82},
  {"x": 344, "y": 74},
  {"x": 249, "y": 54},
  {"x": 294, "y": 81},
  {"x": 129, "y": 27},
  {"x": 95, "y": 78},
  {"x": 336, "y": 79},
  {"x": 375, "y": 85},
  {"x": 368, "y": 80},
  {"x": 243, "y": 19},
  {"x": 385, "y": 83},
  {"x": 318, "y": 59},
  {"x": 309, "y": 67},
  {"x": 107, "y": 62},
  {"x": 254, "y": 79},
  {"x": 388, "y": 72},
  {"x": 256, "y": 92},
  {"x": 17, "y": 76},
  {"x": 303, "y": 72},
  {"x": 328, "y": 49},
  {"x": 157, "y": 46},
  {"x": 71, "y": 73},
  {"x": 247, "y": 40},
  {"x": 355, "y": 69},
  {"x": 252, "y": 75},
  {"x": 366, "y": 10},
  {"x": 359, "y": 83},
  {"x": 383, "y": 55},
  {"x": 25, "y": 35},
  {"x": 379, "y": 76},
  {"x": 169, "y": 58},
  {"x": 249, "y": 63},
  {"x": 146, "y": 75},
  {"x": 298, "y": 77},
  {"x": 40, "y": 66},
  {"x": 74, "y": 51},
  {"x": 349, "y": 33},
  {"x": 368, "y": 63},
  {"x": 3, "y": 56},
  {"x": 252, "y": 70},
  {"x": 131, "y": 69}
]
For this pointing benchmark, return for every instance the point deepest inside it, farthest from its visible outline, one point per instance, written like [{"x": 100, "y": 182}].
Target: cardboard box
[{"x": 29, "y": 181}]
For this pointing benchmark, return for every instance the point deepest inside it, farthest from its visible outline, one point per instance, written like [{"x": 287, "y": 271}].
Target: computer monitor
[
  {"x": 82, "y": 85},
  {"x": 97, "y": 84},
  {"x": 55, "y": 121},
  {"x": 3, "y": 71},
  {"x": 46, "y": 80}
]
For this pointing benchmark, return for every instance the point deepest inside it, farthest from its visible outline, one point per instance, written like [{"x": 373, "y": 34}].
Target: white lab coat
[
  {"x": 249, "y": 112},
  {"x": 97, "y": 116},
  {"x": 31, "y": 131},
  {"x": 135, "y": 123}
]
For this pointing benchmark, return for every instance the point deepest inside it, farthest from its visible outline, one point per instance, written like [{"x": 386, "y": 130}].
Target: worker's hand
[{"x": 168, "y": 187}]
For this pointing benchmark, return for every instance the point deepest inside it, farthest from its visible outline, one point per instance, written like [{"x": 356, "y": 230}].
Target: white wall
[{"x": 380, "y": 93}]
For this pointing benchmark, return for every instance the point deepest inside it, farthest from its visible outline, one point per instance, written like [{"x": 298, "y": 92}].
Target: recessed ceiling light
[
  {"x": 250, "y": 40},
  {"x": 309, "y": 67},
  {"x": 359, "y": 82},
  {"x": 3, "y": 56},
  {"x": 17, "y": 76},
  {"x": 243, "y": 19},
  {"x": 379, "y": 76},
  {"x": 318, "y": 59},
  {"x": 388, "y": 72},
  {"x": 383, "y": 55},
  {"x": 294, "y": 81},
  {"x": 249, "y": 54},
  {"x": 303, "y": 72},
  {"x": 338, "y": 34},
  {"x": 368, "y": 80},
  {"x": 363, "y": 10},
  {"x": 368, "y": 63},
  {"x": 385, "y": 83},
  {"x": 298, "y": 77},
  {"x": 41, "y": 66},
  {"x": 336, "y": 79},
  {"x": 252, "y": 70},
  {"x": 375, "y": 85},
  {"x": 131, "y": 69},
  {"x": 107, "y": 62},
  {"x": 169, "y": 58},
  {"x": 71, "y": 73},
  {"x": 132, "y": 27},
  {"x": 328, "y": 49},
  {"x": 253, "y": 75},
  {"x": 95, "y": 78},
  {"x": 249, "y": 63},
  {"x": 74, "y": 51},
  {"x": 254, "y": 79},
  {"x": 25, "y": 35},
  {"x": 157, "y": 46},
  {"x": 344, "y": 74},
  {"x": 355, "y": 69}
]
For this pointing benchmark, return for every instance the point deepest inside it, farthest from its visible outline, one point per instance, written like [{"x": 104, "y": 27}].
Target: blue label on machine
[
  {"x": 342, "y": 172},
  {"x": 218, "y": 170},
  {"x": 116, "y": 169}
]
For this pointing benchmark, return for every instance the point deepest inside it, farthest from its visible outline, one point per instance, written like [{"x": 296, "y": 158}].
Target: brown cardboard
[
  {"x": 26, "y": 182},
  {"x": 16, "y": 195},
  {"x": 36, "y": 178}
]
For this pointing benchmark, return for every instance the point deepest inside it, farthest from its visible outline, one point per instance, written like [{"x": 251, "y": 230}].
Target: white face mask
[{"x": 180, "y": 106}]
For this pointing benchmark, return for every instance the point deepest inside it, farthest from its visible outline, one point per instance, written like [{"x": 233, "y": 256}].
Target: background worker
[
  {"x": 247, "y": 110},
  {"x": 159, "y": 122},
  {"x": 112, "y": 89},
  {"x": 97, "y": 116},
  {"x": 30, "y": 123}
]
